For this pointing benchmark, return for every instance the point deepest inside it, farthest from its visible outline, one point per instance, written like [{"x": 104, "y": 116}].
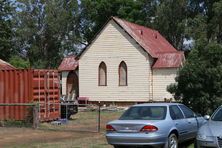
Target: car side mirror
[{"x": 207, "y": 117}]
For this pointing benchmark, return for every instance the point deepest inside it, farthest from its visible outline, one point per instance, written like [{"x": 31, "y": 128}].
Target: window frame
[
  {"x": 99, "y": 77},
  {"x": 120, "y": 65},
  {"x": 170, "y": 107},
  {"x": 215, "y": 114},
  {"x": 182, "y": 107},
  {"x": 148, "y": 109}
]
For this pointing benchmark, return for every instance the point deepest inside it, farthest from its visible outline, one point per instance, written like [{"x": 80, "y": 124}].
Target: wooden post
[{"x": 35, "y": 116}]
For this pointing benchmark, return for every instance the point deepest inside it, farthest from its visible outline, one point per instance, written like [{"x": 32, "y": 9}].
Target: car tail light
[
  {"x": 110, "y": 128},
  {"x": 149, "y": 128}
]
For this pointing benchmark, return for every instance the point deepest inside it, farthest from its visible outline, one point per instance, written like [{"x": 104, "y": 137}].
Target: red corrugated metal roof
[
  {"x": 169, "y": 60},
  {"x": 68, "y": 63},
  {"x": 5, "y": 66},
  {"x": 154, "y": 43}
]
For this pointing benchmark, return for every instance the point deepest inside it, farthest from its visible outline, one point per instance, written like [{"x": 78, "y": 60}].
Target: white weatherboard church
[{"x": 126, "y": 62}]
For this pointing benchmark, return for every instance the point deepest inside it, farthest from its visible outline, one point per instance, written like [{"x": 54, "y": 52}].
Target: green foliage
[
  {"x": 46, "y": 30},
  {"x": 43, "y": 31},
  {"x": 199, "y": 82},
  {"x": 175, "y": 19},
  {"x": 19, "y": 62},
  {"x": 205, "y": 21},
  {"x": 216, "y": 22},
  {"x": 5, "y": 29},
  {"x": 170, "y": 20},
  {"x": 95, "y": 13},
  {"x": 14, "y": 123}
]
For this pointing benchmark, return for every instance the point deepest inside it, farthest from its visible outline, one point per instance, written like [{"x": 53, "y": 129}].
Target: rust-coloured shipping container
[{"x": 29, "y": 86}]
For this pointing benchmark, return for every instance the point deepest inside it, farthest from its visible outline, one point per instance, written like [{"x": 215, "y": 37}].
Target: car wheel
[{"x": 172, "y": 141}]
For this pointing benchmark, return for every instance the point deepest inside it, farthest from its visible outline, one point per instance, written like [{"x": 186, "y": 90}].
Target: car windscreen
[
  {"x": 218, "y": 115},
  {"x": 145, "y": 113}
]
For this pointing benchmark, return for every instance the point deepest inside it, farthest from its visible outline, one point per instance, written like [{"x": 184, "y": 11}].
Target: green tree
[
  {"x": 205, "y": 20},
  {"x": 95, "y": 13},
  {"x": 6, "y": 9},
  {"x": 46, "y": 30},
  {"x": 19, "y": 62},
  {"x": 171, "y": 16},
  {"x": 217, "y": 21},
  {"x": 199, "y": 82}
]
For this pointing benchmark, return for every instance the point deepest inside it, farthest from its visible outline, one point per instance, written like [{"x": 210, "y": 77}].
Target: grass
[
  {"x": 85, "y": 121},
  {"x": 93, "y": 141},
  {"x": 62, "y": 136},
  {"x": 14, "y": 123}
]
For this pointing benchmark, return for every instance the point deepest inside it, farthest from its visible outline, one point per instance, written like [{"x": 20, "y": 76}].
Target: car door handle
[
  {"x": 189, "y": 122},
  {"x": 177, "y": 123}
]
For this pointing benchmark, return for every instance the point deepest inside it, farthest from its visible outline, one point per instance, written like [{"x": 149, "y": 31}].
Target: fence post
[
  {"x": 35, "y": 116},
  {"x": 99, "y": 118},
  {"x": 66, "y": 111}
]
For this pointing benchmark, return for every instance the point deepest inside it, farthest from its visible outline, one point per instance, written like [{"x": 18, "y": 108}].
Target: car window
[
  {"x": 218, "y": 115},
  {"x": 175, "y": 112},
  {"x": 187, "y": 112},
  {"x": 145, "y": 113}
]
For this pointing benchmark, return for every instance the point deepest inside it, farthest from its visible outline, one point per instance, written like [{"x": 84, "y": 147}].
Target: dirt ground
[
  {"x": 63, "y": 136},
  {"x": 26, "y": 137},
  {"x": 80, "y": 132}
]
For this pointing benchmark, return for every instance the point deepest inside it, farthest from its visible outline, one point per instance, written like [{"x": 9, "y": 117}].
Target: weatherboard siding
[
  {"x": 112, "y": 46},
  {"x": 161, "y": 79},
  {"x": 64, "y": 80}
]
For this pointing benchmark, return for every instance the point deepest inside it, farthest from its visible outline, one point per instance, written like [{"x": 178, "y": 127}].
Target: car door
[
  {"x": 200, "y": 120},
  {"x": 191, "y": 121},
  {"x": 179, "y": 121}
]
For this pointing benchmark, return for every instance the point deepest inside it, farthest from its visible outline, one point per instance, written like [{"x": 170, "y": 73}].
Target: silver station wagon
[{"x": 154, "y": 124}]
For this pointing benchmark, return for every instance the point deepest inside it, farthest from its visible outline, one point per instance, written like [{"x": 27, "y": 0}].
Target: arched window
[
  {"x": 102, "y": 74},
  {"x": 122, "y": 74}
]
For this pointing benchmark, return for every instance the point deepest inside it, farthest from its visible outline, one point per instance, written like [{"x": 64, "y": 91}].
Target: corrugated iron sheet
[
  {"x": 151, "y": 41},
  {"x": 154, "y": 43},
  {"x": 68, "y": 63},
  {"x": 4, "y": 65},
  {"x": 29, "y": 86},
  {"x": 169, "y": 60}
]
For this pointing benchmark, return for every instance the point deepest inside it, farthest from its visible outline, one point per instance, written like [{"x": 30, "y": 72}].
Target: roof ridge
[
  {"x": 114, "y": 17},
  {"x": 150, "y": 40}
]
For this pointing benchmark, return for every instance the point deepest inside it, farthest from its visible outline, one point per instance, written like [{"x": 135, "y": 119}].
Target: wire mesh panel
[{"x": 21, "y": 115}]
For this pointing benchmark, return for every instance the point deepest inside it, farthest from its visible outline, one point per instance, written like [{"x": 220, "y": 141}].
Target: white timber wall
[
  {"x": 161, "y": 79},
  {"x": 112, "y": 46},
  {"x": 64, "y": 80}
]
